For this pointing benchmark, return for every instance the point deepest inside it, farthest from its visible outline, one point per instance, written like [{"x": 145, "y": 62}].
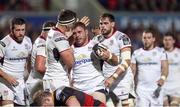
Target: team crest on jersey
[
  {"x": 3, "y": 44},
  {"x": 14, "y": 48},
  {"x": 125, "y": 39}
]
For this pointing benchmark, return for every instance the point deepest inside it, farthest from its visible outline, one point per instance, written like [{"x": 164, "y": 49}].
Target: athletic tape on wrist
[
  {"x": 121, "y": 67},
  {"x": 110, "y": 56},
  {"x": 115, "y": 75},
  {"x": 163, "y": 77}
]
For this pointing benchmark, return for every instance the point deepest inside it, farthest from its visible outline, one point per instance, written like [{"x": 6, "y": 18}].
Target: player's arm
[
  {"x": 10, "y": 79},
  {"x": 133, "y": 67},
  {"x": 164, "y": 72},
  {"x": 40, "y": 59},
  {"x": 124, "y": 62},
  {"x": 28, "y": 63},
  {"x": 67, "y": 58},
  {"x": 40, "y": 63}
]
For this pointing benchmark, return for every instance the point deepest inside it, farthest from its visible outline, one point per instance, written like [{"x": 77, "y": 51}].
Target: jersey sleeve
[
  {"x": 133, "y": 58},
  {"x": 29, "y": 45},
  {"x": 2, "y": 52},
  {"x": 41, "y": 48},
  {"x": 163, "y": 55},
  {"x": 123, "y": 41},
  {"x": 61, "y": 43}
]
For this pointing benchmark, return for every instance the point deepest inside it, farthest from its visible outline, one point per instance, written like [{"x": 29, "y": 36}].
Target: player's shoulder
[
  {"x": 5, "y": 41},
  {"x": 138, "y": 51},
  {"x": 177, "y": 49},
  {"x": 159, "y": 49},
  {"x": 40, "y": 39},
  {"x": 56, "y": 35},
  {"x": 27, "y": 39},
  {"x": 120, "y": 35}
]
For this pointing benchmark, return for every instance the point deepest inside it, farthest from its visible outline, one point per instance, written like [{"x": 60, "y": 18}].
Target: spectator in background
[{"x": 172, "y": 86}]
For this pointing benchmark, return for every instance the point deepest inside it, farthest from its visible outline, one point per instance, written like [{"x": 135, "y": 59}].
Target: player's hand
[
  {"x": 101, "y": 51},
  {"x": 12, "y": 80},
  {"x": 85, "y": 20},
  {"x": 156, "y": 93},
  {"x": 109, "y": 81},
  {"x": 160, "y": 82},
  {"x": 105, "y": 55}
]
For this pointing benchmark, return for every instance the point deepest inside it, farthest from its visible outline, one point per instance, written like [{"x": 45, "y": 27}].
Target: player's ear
[{"x": 113, "y": 24}]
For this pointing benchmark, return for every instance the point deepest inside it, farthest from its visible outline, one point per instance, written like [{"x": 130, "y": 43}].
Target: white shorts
[
  {"x": 124, "y": 86},
  {"x": 146, "y": 99},
  {"x": 53, "y": 84},
  {"x": 33, "y": 86},
  {"x": 12, "y": 93}
]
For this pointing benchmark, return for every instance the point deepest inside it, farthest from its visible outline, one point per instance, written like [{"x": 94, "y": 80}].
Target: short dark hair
[
  {"x": 108, "y": 15},
  {"x": 39, "y": 96},
  {"x": 79, "y": 24},
  {"x": 48, "y": 25},
  {"x": 66, "y": 16},
  {"x": 169, "y": 34},
  {"x": 16, "y": 21},
  {"x": 151, "y": 30}
]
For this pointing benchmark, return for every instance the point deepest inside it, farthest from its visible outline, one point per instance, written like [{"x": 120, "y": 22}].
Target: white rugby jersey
[
  {"x": 39, "y": 48},
  {"x": 86, "y": 72},
  {"x": 15, "y": 55},
  {"x": 148, "y": 66},
  {"x": 56, "y": 42},
  {"x": 114, "y": 43},
  {"x": 174, "y": 68}
]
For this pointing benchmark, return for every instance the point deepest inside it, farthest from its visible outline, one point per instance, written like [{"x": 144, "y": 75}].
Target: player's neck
[
  {"x": 84, "y": 44},
  {"x": 15, "y": 39},
  {"x": 149, "y": 48},
  {"x": 111, "y": 33},
  {"x": 170, "y": 49}
]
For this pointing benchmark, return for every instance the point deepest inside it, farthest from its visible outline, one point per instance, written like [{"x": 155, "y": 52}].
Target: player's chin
[{"x": 20, "y": 40}]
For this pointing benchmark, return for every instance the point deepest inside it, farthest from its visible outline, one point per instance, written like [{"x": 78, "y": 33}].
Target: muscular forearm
[
  {"x": 2, "y": 73},
  {"x": 165, "y": 69},
  {"x": 114, "y": 60}
]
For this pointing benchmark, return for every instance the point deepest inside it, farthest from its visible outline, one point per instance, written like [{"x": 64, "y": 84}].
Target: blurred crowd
[
  {"x": 120, "y": 5},
  {"x": 142, "y": 5},
  {"x": 24, "y": 5}
]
